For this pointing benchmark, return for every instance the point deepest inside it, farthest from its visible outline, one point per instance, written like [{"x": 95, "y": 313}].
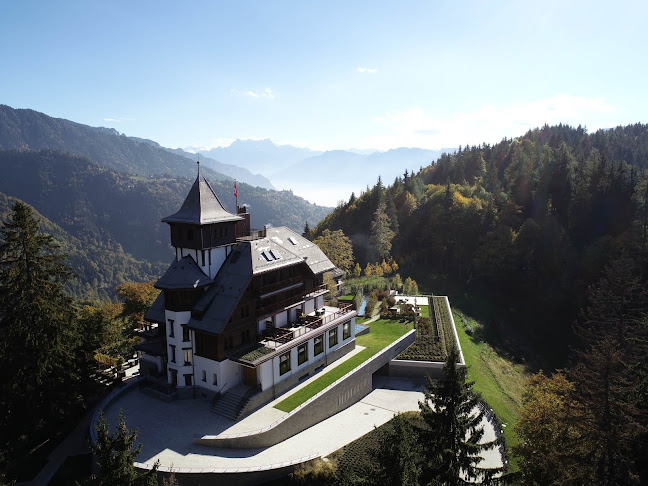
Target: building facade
[{"x": 240, "y": 308}]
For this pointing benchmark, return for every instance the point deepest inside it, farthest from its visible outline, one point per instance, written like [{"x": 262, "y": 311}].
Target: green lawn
[
  {"x": 347, "y": 298},
  {"x": 383, "y": 333},
  {"x": 425, "y": 310},
  {"x": 500, "y": 381}
]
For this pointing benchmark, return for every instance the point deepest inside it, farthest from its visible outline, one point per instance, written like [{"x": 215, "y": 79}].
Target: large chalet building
[{"x": 240, "y": 310}]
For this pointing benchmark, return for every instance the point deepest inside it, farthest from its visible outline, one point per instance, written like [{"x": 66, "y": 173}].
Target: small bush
[{"x": 318, "y": 472}]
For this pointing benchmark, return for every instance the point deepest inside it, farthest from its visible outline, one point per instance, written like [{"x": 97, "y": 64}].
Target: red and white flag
[{"x": 235, "y": 190}]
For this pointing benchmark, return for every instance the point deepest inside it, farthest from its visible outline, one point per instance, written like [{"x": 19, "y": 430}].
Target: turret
[{"x": 203, "y": 228}]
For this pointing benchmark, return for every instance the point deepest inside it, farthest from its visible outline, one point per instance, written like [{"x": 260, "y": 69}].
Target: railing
[
  {"x": 255, "y": 234},
  {"x": 280, "y": 304},
  {"x": 266, "y": 289},
  {"x": 284, "y": 336}
]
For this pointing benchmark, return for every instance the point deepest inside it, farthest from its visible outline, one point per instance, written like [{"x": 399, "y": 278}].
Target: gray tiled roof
[
  {"x": 183, "y": 274},
  {"x": 303, "y": 248},
  {"x": 220, "y": 299},
  {"x": 250, "y": 258},
  {"x": 201, "y": 206},
  {"x": 156, "y": 311}
]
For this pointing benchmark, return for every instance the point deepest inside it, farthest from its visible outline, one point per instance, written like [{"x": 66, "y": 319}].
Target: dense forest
[
  {"x": 523, "y": 226},
  {"x": 113, "y": 219}
]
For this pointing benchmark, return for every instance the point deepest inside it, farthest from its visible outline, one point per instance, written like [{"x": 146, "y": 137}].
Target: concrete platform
[{"x": 166, "y": 430}]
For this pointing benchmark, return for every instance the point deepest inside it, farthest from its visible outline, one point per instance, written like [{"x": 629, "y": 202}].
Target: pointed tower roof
[{"x": 201, "y": 206}]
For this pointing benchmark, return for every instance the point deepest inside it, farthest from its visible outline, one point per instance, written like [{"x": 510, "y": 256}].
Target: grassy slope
[
  {"x": 500, "y": 381},
  {"x": 383, "y": 333}
]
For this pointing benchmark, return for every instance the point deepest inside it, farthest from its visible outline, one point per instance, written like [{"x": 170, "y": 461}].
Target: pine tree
[
  {"x": 398, "y": 455},
  {"x": 381, "y": 234},
  {"x": 307, "y": 231},
  {"x": 608, "y": 374},
  {"x": 115, "y": 455},
  {"x": 37, "y": 336},
  {"x": 453, "y": 434}
]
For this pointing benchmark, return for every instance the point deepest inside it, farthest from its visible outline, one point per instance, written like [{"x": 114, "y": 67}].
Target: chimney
[{"x": 243, "y": 226}]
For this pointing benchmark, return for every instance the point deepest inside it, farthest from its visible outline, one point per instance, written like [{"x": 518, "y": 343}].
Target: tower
[
  {"x": 203, "y": 234},
  {"x": 203, "y": 229}
]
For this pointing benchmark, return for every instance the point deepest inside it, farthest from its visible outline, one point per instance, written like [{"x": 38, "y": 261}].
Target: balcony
[
  {"x": 147, "y": 330},
  {"x": 280, "y": 339},
  {"x": 290, "y": 302}
]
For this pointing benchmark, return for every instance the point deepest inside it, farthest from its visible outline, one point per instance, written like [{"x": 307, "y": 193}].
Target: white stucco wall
[
  {"x": 281, "y": 319},
  {"x": 218, "y": 256},
  {"x": 309, "y": 306},
  {"x": 266, "y": 375}
]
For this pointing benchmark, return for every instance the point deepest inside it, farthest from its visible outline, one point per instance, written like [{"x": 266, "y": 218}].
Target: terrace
[{"x": 281, "y": 338}]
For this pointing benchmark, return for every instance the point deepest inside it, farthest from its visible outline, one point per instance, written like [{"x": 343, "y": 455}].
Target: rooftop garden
[
  {"x": 434, "y": 334},
  {"x": 382, "y": 334}
]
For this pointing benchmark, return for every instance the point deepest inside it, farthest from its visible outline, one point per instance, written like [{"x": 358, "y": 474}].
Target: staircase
[{"x": 232, "y": 403}]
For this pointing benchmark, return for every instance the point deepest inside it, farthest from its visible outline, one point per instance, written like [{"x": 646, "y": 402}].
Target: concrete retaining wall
[
  {"x": 270, "y": 394},
  {"x": 341, "y": 394},
  {"x": 241, "y": 476},
  {"x": 419, "y": 369}
]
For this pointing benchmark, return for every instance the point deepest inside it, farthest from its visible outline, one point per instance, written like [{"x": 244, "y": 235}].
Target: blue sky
[{"x": 327, "y": 75}]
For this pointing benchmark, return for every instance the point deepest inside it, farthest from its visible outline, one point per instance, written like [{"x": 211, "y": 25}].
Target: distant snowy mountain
[
  {"x": 322, "y": 177},
  {"x": 259, "y": 156}
]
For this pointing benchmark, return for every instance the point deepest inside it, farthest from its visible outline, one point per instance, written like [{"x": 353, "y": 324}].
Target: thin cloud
[
  {"x": 118, "y": 120},
  {"x": 488, "y": 124},
  {"x": 366, "y": 70},
  {"x": 265, "y": 93}
]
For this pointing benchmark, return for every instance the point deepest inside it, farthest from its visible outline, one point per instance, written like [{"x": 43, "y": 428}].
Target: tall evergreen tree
[
  {"x": 398, "y": 455},
  {"x": 307, "y": 231},
  {"x": 37, "y": 337},
  {"x": 115, "y": 455},
  {"x": 381, "y": 234},
  {"x": 453, "y": 434},
  {"x": 608, "y": 373}
]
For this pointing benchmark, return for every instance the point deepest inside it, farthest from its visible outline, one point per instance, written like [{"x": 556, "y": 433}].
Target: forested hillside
[
  {"x": 29, "y": 129},
  {"x": 99, "y": 264},
  {"x": 525, "y": 225},
  {"x": 113, "y": 216}
]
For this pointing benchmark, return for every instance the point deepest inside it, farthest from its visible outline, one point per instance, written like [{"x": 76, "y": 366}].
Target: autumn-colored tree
[
  {"x": 357, "y": 270},
  {"x": 551, "y": 447},
  {"x": 397, "y": 282},
  {"x": 137, "y": 297},
  {"x": 337, "y": 247},
  {"x": 369, "y": 270}
]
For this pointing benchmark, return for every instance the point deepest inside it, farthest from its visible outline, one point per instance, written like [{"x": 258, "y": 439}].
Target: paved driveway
[{"x": 167, "y": 429}]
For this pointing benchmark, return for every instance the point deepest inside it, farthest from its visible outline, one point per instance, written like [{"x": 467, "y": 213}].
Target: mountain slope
[
  {"x": 30, "y": 129},
  {"x": 234, "y": 171},
  {"x": 260, "y": 156},
  {"x": 102, "y": 206},
  {"x": 524, "y": 226},
  {"x": 99, "y": 266}
]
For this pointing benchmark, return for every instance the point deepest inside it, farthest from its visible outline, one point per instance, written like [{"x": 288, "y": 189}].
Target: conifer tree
[
  {"x": 37, "y": 337},
  {"x": 115, "y": 455},
  {"x": 608, "y": 373},
  {"x": 453, "y": 434},
  {"x": 398, "y": 455},
  {"x": 307, "y": 231},
  {"x": 381, "y": 234}
]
